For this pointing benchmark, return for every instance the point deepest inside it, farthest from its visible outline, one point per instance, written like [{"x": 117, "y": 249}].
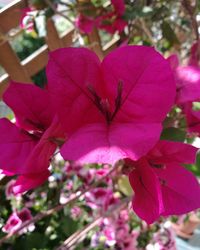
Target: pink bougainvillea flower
[
  {"x": 111, "y": 21},
  {"x": 162, "y": 185},
  {"x": 86, "y": 24},
  {"x": 110, "y": 110},
  {"x": 16, "y": 219},
  {"x": 29, "y": 144}
]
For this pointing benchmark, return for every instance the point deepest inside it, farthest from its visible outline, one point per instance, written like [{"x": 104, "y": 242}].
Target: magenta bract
[
  {"x": 118, "y": 103},
  {"x": 162, "y": 185}
]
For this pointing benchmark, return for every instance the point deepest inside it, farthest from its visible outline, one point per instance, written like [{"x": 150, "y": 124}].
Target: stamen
[
  {"x": 118, "y": 100},
  {"x": 155, "y": 165},
  {"x": 97, "y": 99},
  {"x": 106, "y": 109},
  {"x": 103, "y": 104}
]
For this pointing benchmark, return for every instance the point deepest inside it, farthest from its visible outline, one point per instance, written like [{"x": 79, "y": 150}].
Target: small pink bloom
[
  {"x": 122, "y": 232},
  {"x": 24, "y": 215},
  {"x": 27, "y": 19},
  {"x": 76, "y": 212},
  {"x": 12, "y": 224},
  {"x": 69, "y": 185},
  {"x": 129, "y": 242},
  {"x": 16, "y": 219},
  {"x": 123, "y": 216},
  {"x": 100, "y": 198}
]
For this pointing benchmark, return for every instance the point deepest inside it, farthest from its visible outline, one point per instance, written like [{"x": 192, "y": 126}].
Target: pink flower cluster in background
[
  {"x": 16, "y": 220},
  {"x": 111, "y": 21}
]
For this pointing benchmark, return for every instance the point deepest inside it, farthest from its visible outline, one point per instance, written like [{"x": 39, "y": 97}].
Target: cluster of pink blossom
[
  {"x": 110, "y": 21},
  {"x": 163, "y": 239},
  {"x": 116, "y": 232},
  {"x": 102, "y": 112}
]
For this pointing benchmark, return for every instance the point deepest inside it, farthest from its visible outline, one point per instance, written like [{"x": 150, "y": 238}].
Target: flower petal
[
  {"x": 146, "y": 79},
  {"x": 119, "y": 6},
  {"x": 15, "y": 145},
  {"x": 40, "y": 157},
  {"x": 180, "y": 190},
  {"x": 107, "y": 144},
  {"x": 176, "y": 152},
  {"x": 71, "y": 72},
  {"x": 147, "y": 201},
  {"x": 30, "y": 105},
  {"x": 27, "y": 182}
]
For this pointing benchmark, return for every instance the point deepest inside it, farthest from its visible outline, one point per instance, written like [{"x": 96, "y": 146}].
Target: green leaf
[
  {"x": 124, "y": 186},
  {"x": 194, "y": 169},
  {"x": 68, "y": 225},
  {"x": 198, "y": 159},
  {"x": 168, "y": 33},
  {"x": 173, "y": 134}
]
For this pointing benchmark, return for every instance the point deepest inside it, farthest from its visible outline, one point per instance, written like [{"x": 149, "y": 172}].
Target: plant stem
[{"x": 51, "y": 5}]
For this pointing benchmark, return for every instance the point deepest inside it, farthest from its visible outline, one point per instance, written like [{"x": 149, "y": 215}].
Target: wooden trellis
[{"x": 22, "y": 71}]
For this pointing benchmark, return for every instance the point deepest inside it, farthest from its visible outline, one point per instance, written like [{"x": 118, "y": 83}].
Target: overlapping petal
[
  {"x": 71, "y": 72},
  {"x": 172, "y": 152},
  {"x": 180, "y": 190},
  {"x": 40, "y": 157},
  {"x": 15, "y": 145},
  {"x": 30, "y": 104},
  {"x": 30, "y": 181},
  {"x": 147, "y": 201},
  {"x": 102, "y": 144},
  {"x": 146, "y": 79}
]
